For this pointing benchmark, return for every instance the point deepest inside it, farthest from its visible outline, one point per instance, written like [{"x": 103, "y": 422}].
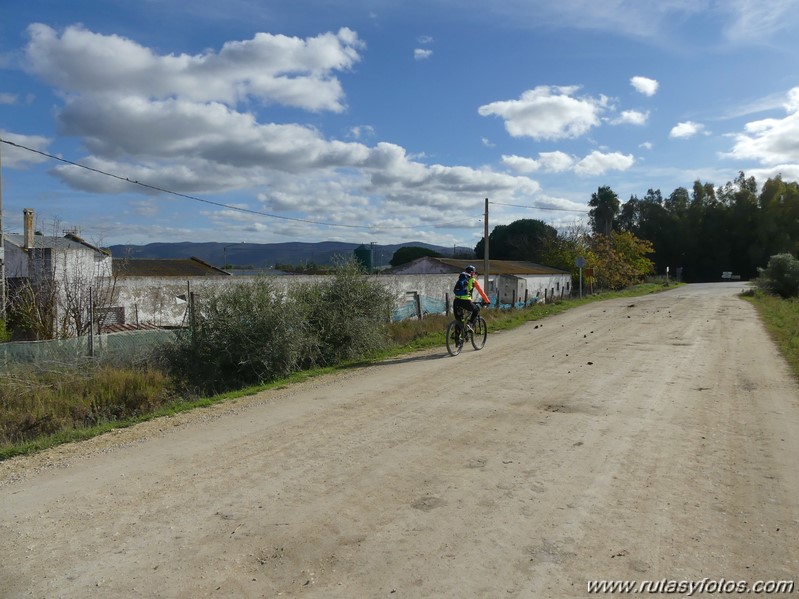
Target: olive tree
[{"x": 255, "y": 332}]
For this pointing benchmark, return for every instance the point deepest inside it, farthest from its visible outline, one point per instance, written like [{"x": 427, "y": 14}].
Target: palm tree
[{"x": 604, "y": 208}]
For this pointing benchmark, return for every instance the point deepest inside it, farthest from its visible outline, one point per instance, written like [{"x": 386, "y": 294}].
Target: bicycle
[{"x": 459, "y": 330}]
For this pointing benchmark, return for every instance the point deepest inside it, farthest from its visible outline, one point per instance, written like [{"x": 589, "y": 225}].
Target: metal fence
[
  {"x": 129, "y": 347},
  {"x": 420, "y": 305}
]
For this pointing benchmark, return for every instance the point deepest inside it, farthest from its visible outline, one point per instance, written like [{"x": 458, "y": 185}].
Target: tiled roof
[
  {"x": 69, "y": 242},
  {"x": 184, "y": 267},
  {"x": 503, "y": 267},
  {"x": 430, "y": 264}
]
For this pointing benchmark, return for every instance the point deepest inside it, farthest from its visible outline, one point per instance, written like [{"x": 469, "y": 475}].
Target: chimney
[{"x": 28, "y": 219}]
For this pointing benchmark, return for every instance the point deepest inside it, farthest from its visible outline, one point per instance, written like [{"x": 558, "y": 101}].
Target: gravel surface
[{"x": 634, "y": 439}]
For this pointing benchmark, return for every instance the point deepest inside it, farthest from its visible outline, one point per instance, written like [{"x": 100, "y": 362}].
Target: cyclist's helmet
[{"x": 470, "y": 269}]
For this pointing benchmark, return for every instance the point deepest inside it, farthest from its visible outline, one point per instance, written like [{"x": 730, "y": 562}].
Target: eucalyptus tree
[
  {"x": 779, "y": 225},
  {"x": 649, "y": 219}
]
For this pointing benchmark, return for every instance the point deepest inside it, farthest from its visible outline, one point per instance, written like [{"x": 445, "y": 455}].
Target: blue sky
[{"x": 381, "y": 121}]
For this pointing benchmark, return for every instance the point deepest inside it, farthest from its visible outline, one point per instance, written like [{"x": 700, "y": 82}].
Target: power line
[
  {"x": 258, "y": 212},
  {"x": 540, "y": 207},
  {"x": 211, "y": 202}
]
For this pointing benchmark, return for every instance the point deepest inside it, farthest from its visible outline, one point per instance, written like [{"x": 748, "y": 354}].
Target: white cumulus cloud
[
  {"x": 548, "y": 113},
  {"x": 186, "y": 123},
  {"x": 273, "y": 68},
  {"x": 631, "y": 117},
  {"x": 521, "y": 164},
  {"x": 597, "y": 163},
  {"x": 772, "y": 141},
  {"x": 645, "y": 85},
  {"x": 19, "y": 158},
  {"x": 685, "y": 130},
  {"x": 555, "y": 162}
]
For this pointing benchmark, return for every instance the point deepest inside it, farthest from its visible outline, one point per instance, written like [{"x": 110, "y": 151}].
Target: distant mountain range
[{"x": 265, "y": 255}]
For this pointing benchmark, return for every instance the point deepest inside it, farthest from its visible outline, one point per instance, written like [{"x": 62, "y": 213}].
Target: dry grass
[{"x": 36, "y": 403}]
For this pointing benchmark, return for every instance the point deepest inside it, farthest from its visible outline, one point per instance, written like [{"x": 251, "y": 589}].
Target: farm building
[
  {"x": 509, "y": 281},
  {"x": 55, "y": 274}
]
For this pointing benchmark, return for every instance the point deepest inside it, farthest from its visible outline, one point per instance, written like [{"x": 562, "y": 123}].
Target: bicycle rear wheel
[
  {"x": 479, "y": 333},
  {"x": 454, "y": 338}
]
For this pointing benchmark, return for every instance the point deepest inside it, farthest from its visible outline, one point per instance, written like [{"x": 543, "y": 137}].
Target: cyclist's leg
[
  {"x": 457, "y": 309},
  {"x": 475, "y": 309}
]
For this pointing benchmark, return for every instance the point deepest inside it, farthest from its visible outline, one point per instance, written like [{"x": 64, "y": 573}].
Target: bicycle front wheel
[
  {"x": 454, "y": 338},
  {"x": 479, "y": 333}
]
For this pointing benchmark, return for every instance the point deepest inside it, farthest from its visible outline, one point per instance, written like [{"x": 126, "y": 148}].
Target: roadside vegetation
[
  {"x": 781, "y": 317},
  {"x": 776, "y": 298},
  {"x": 245, "y": 342},
  {"x": 253, "y": 333}
]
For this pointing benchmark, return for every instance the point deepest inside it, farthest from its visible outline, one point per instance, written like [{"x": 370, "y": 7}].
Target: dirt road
[{"x": 633, "y": 439}]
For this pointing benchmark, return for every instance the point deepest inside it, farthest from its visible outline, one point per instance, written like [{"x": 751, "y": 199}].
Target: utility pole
[
  {"x": 224, "y": 253},
  {"x": 485, "y": 249},
  {"x": 2, "y": 246}
]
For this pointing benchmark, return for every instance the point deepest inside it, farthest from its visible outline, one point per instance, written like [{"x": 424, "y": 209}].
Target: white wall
[
  {"x": 153, "y": 299},
  {"x": 81, "y": 265},
  {"x": 68, "y": 262},
  {"x": 549, "y": 287},
  {"x": 16, "y": 262}
]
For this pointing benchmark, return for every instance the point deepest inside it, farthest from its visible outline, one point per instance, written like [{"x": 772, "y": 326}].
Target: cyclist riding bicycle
[{"x": 467, "y": 283}]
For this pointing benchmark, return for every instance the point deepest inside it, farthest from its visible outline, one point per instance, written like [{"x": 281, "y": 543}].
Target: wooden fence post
[
  {"x": 191, "y": 318},
  {"x": 91, "y": 323}
]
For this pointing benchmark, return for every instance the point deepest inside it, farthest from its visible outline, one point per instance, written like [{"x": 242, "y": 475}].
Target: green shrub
[
  {"x": 5, "y": 334},
  {"x": 781, "y": 276},
  {"x": 250, "y": 334},
  {"x": 240, "y": 336},
  {"x": 347, "y": 316}
]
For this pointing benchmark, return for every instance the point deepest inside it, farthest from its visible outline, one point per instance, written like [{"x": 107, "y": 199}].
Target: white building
[
  {"x": 62, "y": 269},
  {"x": 155, "y": 292},
  {"x": 509, "y": 282}
]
